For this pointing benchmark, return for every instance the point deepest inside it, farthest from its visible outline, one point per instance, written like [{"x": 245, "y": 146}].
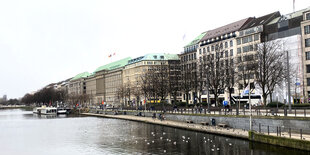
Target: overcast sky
[{"x": 46, "y": 41}]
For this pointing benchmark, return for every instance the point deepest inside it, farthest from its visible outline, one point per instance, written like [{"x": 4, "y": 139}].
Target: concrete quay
[
  {"x": 287, "y": 140},
  {"x": 237, "y": 133}
]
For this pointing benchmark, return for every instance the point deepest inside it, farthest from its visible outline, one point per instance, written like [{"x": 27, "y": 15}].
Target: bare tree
[
  {"x": 121, "y": 94},
  {"x": 270, "y": 67},
  {"x": 215, "y": 72},
  {"x": 174, "y": 79},
  {"x": 229, "y": 77},
  {"x": 186, "y": 80}
]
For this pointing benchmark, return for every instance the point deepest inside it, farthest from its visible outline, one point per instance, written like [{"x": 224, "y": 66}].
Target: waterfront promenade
[{"x": 231, "y": 132}]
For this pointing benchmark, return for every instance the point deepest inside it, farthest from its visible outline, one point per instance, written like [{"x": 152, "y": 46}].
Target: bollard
[
  {"x": 268, "y": 129},
  {"x": 243, "y": 111},
  {"x": 289, "y": 132},
  {"x": 300, "y": 133},
  {"x": 295, "y": 112},
  {"x": 280, "y": 131},
  {"x": 259, "y": 128},
  {"x": 305, "y": 112},
  {"x": 277, "y": 131},
  {"x": 192, "y": 110},
  {"x": 181, "y": 111},
  {"x": 205, "y": 111}
]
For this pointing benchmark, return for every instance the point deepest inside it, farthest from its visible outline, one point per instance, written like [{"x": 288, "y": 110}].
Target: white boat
[
  {"x": 45, "y": 110},
  {"x": 61, "y": 111}
]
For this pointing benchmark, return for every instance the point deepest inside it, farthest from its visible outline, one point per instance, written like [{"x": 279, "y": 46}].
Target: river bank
[{"x": 271, "y": 138}]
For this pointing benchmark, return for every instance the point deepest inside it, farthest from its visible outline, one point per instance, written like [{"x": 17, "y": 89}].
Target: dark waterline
[{"x": 25, "y": 133}]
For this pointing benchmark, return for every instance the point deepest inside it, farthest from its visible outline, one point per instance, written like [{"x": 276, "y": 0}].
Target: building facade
[{"x": 305, "y": 32}]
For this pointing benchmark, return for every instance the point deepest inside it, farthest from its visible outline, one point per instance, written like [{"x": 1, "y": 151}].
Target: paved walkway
[
  {"x": 239, "y": 133},
  {"x": 191, "y": 126}
]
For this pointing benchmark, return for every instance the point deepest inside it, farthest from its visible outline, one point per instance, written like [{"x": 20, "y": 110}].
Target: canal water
[{"x": 24, "y": 133}]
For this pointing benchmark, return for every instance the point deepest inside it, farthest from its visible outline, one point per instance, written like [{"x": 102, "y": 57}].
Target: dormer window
[
  {"x": 155, "y": 56},
  {"x": 161, "y": 57}
]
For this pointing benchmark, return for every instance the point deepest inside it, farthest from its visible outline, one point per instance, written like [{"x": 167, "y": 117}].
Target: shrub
[
  {"x": 300, "y": 105},
  {"x": 274, "y": 104}
]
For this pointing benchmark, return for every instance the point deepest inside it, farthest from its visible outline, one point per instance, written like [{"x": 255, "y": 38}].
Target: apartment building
[
  {"x": 219, "y": 43},
  {"x": 77, "y": 85},
  {"x": 108, "y": 79},
  {"x": 189, "y": 72},
  {"x": 305, "y": 32},
  {"x": 137, "y": 67}
]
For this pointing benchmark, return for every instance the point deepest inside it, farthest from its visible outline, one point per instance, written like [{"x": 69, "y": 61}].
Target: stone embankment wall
[{"x": 238, "y": 122}]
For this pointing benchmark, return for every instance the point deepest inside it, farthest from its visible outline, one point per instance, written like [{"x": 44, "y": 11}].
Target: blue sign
[{"x": 225, "y": 103}]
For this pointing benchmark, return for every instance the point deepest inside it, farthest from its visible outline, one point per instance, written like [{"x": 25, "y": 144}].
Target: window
[
  {"x": 199, "y": 51},
  {"x": 256, "y": 37},
  {"x": 307, "y": 29},
  {"x": 204, "y": 51},
  {"x": 307, "y": 55},
  {"x": 250, "y": 38},
  {"x": 161, "y": 57},
  {"x": 245, "y": 49},
  {"x": 307, "y": 42},
  {"x": 195, "y": 56},
  {"x": 212, "y": 48},
  {"x": 239, "y": 50},
  {"x": 226, "y": 44},
  {"x": 208, "y": 48},
  {"x": 308, "y": 81},
  {"x": 308, "y": 16},
  {"x": 226, "y": 53},
  {"x": 238, "y": 41},
  {"x": 231, "y": 52},
  {"x": 244, "y": 40},
  {"x": 231, "y": 43},
  {"x": 308, "y": 68}
]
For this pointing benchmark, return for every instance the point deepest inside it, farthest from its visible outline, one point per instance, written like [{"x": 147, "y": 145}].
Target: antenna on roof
[{"x": 293, "y": 5}]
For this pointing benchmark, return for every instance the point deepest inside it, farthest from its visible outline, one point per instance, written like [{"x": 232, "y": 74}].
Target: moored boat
[{"x": 45, "y": 110}]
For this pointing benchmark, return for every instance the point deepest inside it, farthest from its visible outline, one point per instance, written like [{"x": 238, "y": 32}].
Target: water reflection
[{"x": 25, "y": 133}]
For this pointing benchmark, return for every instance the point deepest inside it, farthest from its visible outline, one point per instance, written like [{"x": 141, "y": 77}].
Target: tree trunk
[{"x": 264, "y": 98}]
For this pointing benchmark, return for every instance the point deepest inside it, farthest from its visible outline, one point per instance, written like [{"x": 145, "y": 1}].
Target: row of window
[
  {"x": 247, "y": 48},
  {"x": 190, "y": 48},
  {"x": 188, "y": 57},
  {"x": 247, "y": 39},
  {"x": 216, "y": 47}
]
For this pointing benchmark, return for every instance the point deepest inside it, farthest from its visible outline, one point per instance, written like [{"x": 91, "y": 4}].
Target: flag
[
  {"x": 112, "y": 54},
  {"x": 184, "y": 36},
  {"x": 102, "y": 102}
]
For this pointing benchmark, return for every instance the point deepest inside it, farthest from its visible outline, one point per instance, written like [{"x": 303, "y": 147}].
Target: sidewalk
[{"x": 239, "y": 133}]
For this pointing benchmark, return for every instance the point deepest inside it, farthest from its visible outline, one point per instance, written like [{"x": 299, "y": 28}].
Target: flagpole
[{"x": 250, "y": 107}]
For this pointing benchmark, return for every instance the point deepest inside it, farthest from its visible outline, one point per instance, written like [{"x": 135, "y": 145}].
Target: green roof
[
  {"x": 81, "y": 75},
  {"x": 160, "y": 56},
  {"x": 113, "y": 65},
  {"x": 197, "y": 39}
]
